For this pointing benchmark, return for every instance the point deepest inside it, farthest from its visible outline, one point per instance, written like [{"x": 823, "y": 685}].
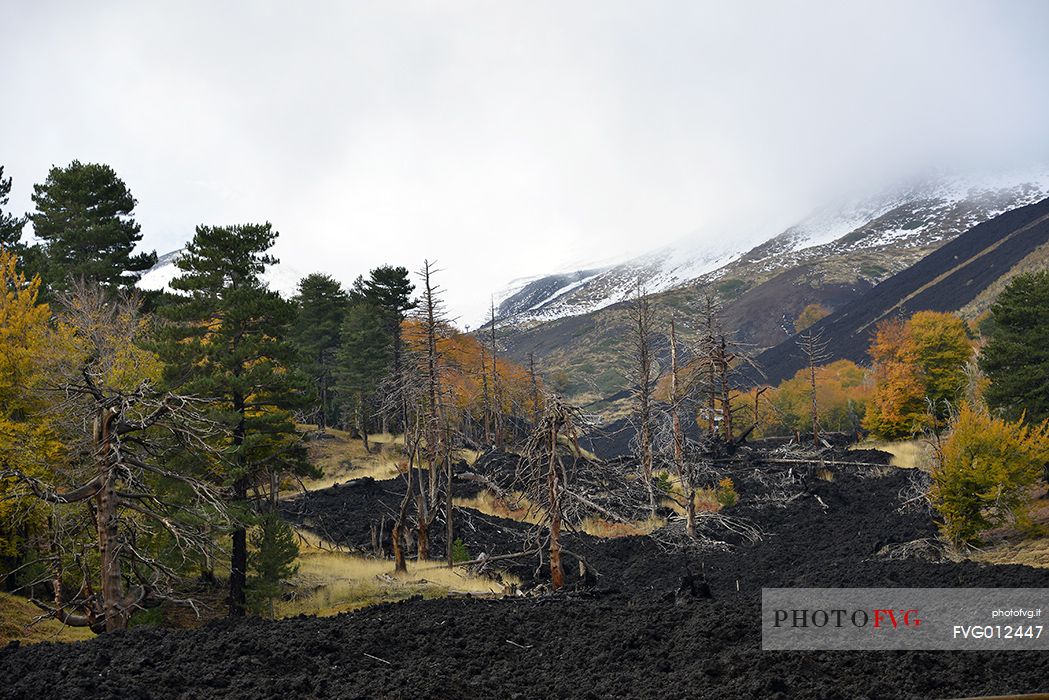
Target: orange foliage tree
[
  {"x": 917, "y": 365},
  {"x": 464, "y": 376}
]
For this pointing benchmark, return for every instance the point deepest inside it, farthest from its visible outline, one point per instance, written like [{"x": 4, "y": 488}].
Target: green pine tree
[
  {"x": 321, "y": 303},
  {"x": 271, "y": 561},
  {"x": 227, "y": 341},
  {"x": 85, "y": 222},
  {"x": 363, "y": 360},
  {"x": 10, "y": 225},
  {"x": 389, "y": 289},
  {"x": 1016, "y": 358}
]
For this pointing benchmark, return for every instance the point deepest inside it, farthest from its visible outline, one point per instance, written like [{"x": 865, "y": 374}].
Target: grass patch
[
  {"x": 707, "y": 499},
  {"x": 342, "y": 458},
  {"x": 1013, "y": 544},
  {"x": 488, "y": 503},
  {"x": 598, "y": 527},
  {"x": 906, "y": 454},
  {"x": 1029, "y": 552},
  {"x": 16, "y": 623},
  {"x": 331, "y": 581}
]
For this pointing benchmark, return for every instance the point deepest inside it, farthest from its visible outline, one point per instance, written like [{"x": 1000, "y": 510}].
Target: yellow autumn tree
[
  {"x": 809, "y": 315},
  {"x": 29, "y": 350},
  {"x": 842, "y": 394},
  {"x": 985, "y": 471}
]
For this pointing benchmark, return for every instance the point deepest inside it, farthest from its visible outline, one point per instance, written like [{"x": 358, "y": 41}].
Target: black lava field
[{"x": 637, "y": 633}]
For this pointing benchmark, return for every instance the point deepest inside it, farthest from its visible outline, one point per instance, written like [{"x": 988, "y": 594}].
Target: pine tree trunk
[
  {"x": 109, "y": 560},
  {"x": 322, "y": 419},
  {"x": 238, "y": 573},
  {"x": 399, "y": 564},
  {"x": 362, "y": 429},
  {"x": 647, "y": 460}
]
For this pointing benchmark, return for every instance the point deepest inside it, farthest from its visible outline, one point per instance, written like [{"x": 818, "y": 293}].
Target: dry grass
[
  {"x": 16, "y": 618},
  {"x": 598, "y": 527},
  {"x": 488, "y": 503},
  {"x": 1030, "y": 552},
  {"x": 906, "y": 454},
  {"x": 342, "y": 458},
  {"x": 706, "y": 498},
  {"x": 331, "y": 581},
  {"x": 1027, "y": 545}
]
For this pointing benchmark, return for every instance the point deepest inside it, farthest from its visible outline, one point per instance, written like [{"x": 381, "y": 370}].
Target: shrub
[
  {"x": 810, "y": 315},
  {"x": 459, "y": 551},
  {"x": 726, "y": 493},
  {"x": 663, "y": 482},
  {"x": 984, "y": 473}
]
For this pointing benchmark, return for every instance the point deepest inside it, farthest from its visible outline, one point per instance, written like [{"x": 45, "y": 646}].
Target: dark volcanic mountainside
[
  {"x": 764, "y": 315},
  {"x": 945, "y": 280},
  {"x": 580, "y": 334}
]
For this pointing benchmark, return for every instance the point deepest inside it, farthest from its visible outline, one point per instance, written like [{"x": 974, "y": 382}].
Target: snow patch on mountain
[
  {"x": 280, "y": 278},
  {"x": 546, "y": 298},
  {"x": 921, "y": 214}
]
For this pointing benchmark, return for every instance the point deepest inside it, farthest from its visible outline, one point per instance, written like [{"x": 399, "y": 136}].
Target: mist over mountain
[
  {"x": 911, "y": 216},
  {"x": 575, "y": 324}
]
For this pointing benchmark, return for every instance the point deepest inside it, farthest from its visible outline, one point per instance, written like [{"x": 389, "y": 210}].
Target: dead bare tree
[
  {"x": 125, "y": 440},
  {"x": 486, "y": 404},
  {"x": 544, "y": 479},
  {"x": 440, "y": 433},
  {"x": 402, "y": 394},
  {"x": 719, "y": 362},
  {"x": 641, "y": 312},
  {"x": 497, "y": 394},
  {"x": 534, "y": 382},
  {"x": 684, "y": 475},
  {"x": 814, "y": 348},
  {"x": 431, "y": 316},
  {"x": 706, "y": 364}
]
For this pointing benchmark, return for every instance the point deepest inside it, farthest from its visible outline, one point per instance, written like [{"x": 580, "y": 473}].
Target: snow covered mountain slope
[
  {"x": 280, "y": 278},
  {"x": 830, "y": 258},
  {"x": 920, "y": 215},
  {"x": 546, "y": 298},
  {"x": 915, "y": 217}
]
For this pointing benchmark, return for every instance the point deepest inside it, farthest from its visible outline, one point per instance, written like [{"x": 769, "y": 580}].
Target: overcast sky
[{"x": 506, "y": 139}]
